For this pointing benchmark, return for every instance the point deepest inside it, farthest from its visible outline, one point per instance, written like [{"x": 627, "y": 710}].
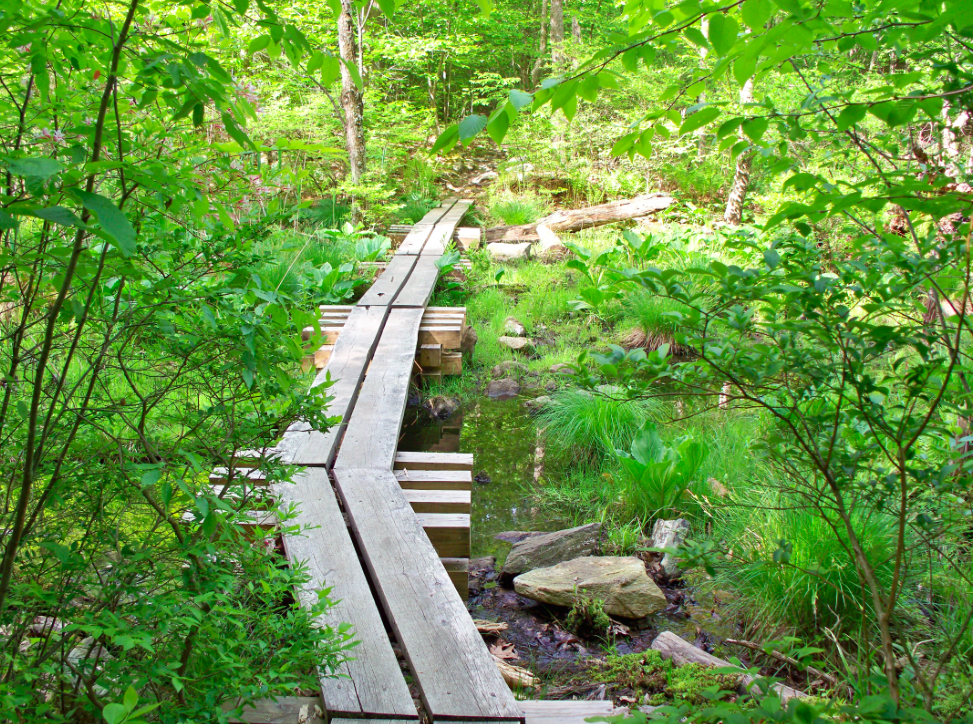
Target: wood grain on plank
[
  {"x": 422, "y": 281},
  {"x": 372, "y": 433},
  {"x": 433, "y": 461},
  {"x": 454, "y": 671},
  {"x": 375, "y": 684},
  {"x": 416, "y": 239},
  {"x": 349, "y": 360},
  {"x": 434, "y": 479},
  {"x": 283, "y": 710},
  {"x": 388, "y": 284},
  {"x": 443, "y": 231}
]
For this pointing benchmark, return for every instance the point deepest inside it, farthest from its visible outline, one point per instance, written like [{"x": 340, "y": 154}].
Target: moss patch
[{"x": 648, "y": 675}]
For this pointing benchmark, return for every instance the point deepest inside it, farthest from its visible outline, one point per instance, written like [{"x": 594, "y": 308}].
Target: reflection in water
[{"x": 502, "y": 437}]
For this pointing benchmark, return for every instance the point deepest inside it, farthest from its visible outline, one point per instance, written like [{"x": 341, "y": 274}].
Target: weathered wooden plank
[
  {"x": 283, "y": 710},
  {"x": 373, "y": 430},
  {"x": 439, "y": 501},
  {"x": 375, "y": 685},
  {"x": 421, "y": 283},
  {"x": 433, "y": 461},
  {"x": 458, "y": 570},
  {"x": 456, "y": 676},
  {"x": 443, "y": 232},
  {"x": 416, "y": 239},
  {"x": 434, "y": 479},
  {"x": 348, "y": 362},
  {"x": 564, "y": 712},
  {"x": 449, "y": 533},
  {"x": 449, "y": 335},
  {"x": 383, "y": 291},
  {"x": 451, "y": 363}
]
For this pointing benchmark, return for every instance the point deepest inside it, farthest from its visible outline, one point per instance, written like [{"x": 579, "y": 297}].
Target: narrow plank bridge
[{"x": 368, "y": 537}]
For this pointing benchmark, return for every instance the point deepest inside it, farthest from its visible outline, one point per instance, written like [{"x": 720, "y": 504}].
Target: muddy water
[{"x": 503, "y": 439}]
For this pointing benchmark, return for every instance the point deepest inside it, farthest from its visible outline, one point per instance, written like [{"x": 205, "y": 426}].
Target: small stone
[
  {"x": 551, "y": 548},
  {"x": 621, "y": 583},
  {"x": 441, "y": 406},
  {"x": 513, "y": 327},
  {"x": 538, "y": 403},
  {"x": 503, "y": 389},
  {"x": 561, "y": 368},
  {"x": 467, "y": 343},
  {"x": 509, "y": 367},
  {"x": 508, "y": 252},
  {"x": 551, "y": 387},
  {"x": 517, "y": 344},
  {"x": 670, "y": 534},
  {"x": 483, "y": 177}
]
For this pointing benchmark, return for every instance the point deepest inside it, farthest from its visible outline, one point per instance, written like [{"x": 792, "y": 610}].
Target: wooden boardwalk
[{"x": 372, "y": 516}]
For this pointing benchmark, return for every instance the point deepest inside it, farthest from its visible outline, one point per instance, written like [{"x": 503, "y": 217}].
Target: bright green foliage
[
  {"x": 647, "y": 673},
  {"x": 588, "y": 618},
  {"x": 657, "y": 476}
]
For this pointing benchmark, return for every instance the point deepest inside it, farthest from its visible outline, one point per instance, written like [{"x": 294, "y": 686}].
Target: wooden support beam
[
  {"x": 429, "y": 355},
  {"x": 433, "y": 461},
  {"x": 458, "y": 570},
  {"x": 439, "y": 501},
  {"x": 434, "y": 479},
  {"x": 452, "y": 363}
]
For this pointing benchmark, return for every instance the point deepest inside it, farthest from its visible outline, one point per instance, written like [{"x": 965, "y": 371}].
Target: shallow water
[{"x": 503, "y": 439}]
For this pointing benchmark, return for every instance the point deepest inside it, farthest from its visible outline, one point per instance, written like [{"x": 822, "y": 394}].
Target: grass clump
[
  {"x": 516, "y": 210},
  {"x": 588, "y": 618},
  {"x": 589, "y": 426}
]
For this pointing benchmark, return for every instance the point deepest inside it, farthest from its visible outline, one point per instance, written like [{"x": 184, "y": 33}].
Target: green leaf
[
  {"x": 498, "y": 125},
  {"x": 257, "y": 44},
  {"x": 470, "y": 126},
  {"x": 330, "y": 70},
  {"x": 588, "y": 88},
  {"x": 699, "y": 119},
  {"x": 755, "y": 128},
  {"x": 355, "y": 75},
  {"x": 850, "y": 116},
  {"x": 771, "y": 258},
  {"x": 130, "y": 699},
  {"x": 112, "y": 220},
  {"x": 486, "y": 7},
  {"x": 519, "y": 99},
  {"x": 114, "y": 713},
  {"x": 57, "y": 215},
  {"x": 446, "y": 140},
  {"x": 388, "y": 7},
  {"x": 40, "y": 167},
  {"x": 744, "y": 68},
  {"x": 722, "y": 32},
  {"x": 756, "y": 13}
]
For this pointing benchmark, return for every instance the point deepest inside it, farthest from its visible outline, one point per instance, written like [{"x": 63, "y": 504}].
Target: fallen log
[
  {"x": 682, "y": 652},
  {"x": 578, "y": 219}
]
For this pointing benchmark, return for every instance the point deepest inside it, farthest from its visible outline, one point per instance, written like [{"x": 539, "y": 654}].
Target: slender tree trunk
[
  {"x": 576, "y": 29},
  {"x": 741, "y": 179},
  {"x": 535, "y": 74},
  {"x": 352, "y": 102},
  {"x": 557, "y": 31}
]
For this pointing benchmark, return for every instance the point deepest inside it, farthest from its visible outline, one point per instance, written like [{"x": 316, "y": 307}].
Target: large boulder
[
  {"x": 621, "y": 583},
  {"x": 503, "y": 389},
  {"x": 499, "y": 251},
  {"x": 670, "y": 534},
  {"x": 517, "y": 344},
  {"x": 542, "y": 551}
]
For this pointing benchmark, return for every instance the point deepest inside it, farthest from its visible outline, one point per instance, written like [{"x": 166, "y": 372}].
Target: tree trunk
[
  {"x": 741, "y": 178},
  {"x": 576, "y": 30},
  {"x": 578, "y": 219},
  {"x": 352, "y": 102},
  {"x": 535, "y": 73},
  {"x": 557, "y": 31}
]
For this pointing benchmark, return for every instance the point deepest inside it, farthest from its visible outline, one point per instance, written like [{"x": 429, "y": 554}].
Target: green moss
[
  {"x": 587, "y": 617},
  {"x": 649, "y": 675}
]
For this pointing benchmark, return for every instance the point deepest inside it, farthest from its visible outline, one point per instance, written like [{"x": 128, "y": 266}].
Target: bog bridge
[{"x": 387, "y": 531}]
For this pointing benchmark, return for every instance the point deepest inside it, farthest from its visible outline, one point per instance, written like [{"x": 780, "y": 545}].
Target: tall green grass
[{"x": 516, "y": 210}]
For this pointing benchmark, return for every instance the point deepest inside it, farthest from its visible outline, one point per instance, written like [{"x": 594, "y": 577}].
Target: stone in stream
[
  {"x": 513, "y": 327},
  {"x": 508, "y": 252},
  {"x": 517, "y": 344},
  {"x": 545, "y": 550},
  {"x": 670, "y": 534},
  {"x": 538, "y": 403},
  {"x": 515, "y": 536},
  {"x": 622, "y": 584},
  {"x": 503, "y": 389},
  {"x": 441, "y": 406}
]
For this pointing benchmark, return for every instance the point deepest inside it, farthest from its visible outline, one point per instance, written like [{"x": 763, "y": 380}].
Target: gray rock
[
  {"x": 670, "y": 534},
  {"x": 517, "y": 344},
  {"x": 513, "y": 327},
  {"x": 468, "y": 341},
  {"x": 550, "y": 248},
  {"x": 441, "y": 406},
  {"x": 561, "y": 368},
  {"x": 538, "y": 403},
  {"x": 549, "y": 549},
  {"x": 515, "y": 536},
  {"x": 551, "y": 387},
  {"x": 503, "y": 389},
  {"x": 499, "y": 251},
  {"x": 488, "y": 176},
  {"x": 622, "y": 584},
  {"x": 508, "y": 367}
]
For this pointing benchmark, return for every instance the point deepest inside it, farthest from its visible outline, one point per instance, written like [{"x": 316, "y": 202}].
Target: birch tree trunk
[
  {"x": 741, "y": 178},
  {"x": 535, "y": 73},
  {"x": 352, "y": 103}
]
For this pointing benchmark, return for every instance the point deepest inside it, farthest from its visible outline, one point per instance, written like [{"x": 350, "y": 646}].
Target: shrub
[
  {"x": 517, "y": 210},
  {"x": 658, "y": 476}
]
